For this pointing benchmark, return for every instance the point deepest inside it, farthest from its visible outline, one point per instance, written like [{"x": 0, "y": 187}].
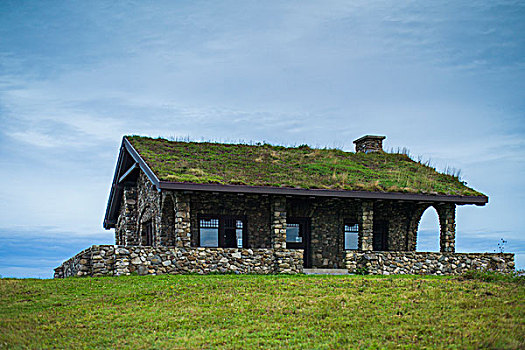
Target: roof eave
[
  {"x": 420, "y": 197},
  {"x": 126, "y": 149}
]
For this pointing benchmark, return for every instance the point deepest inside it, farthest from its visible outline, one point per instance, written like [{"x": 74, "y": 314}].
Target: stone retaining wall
[
  {"x": 110, "y": 260},
  {"x": 388, "y": 263},
  {"x": 79, "y": 265}
]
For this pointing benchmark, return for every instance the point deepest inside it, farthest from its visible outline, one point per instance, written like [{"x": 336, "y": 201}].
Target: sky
[{"x": 445, "y": 79}]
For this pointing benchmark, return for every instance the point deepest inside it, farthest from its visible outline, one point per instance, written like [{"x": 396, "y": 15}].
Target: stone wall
[
  {"x": 110, "y": 260},
  {"x": 255, "y": 208},
  {"x": 366, "y": 225},
  {"x": 327, "y": 218},
  {"x": 126, "y": 227},
  {"x": 447, "y": 224},
  {"x": 423, "y": 263},
  {"x": 139, "y": 204},
  {"x": 278, "y": 227},
  {"x": 79, "y": 265},
  {"x": 148, "y": 208}
]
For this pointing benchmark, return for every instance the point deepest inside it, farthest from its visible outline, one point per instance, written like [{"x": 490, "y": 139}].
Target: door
[
  {"x": 232, "y": 232},
  {"x": 380, "y": 240},
  {"x": 298, "y": 237}
]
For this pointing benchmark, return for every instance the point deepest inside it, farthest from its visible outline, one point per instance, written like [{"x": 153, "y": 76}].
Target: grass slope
[
  {"x": 299, "y": 167},
  {"x": 248, "y": 312}
]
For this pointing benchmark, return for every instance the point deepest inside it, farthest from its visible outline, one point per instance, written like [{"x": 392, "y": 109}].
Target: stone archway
[
  {"x": 167, "y": 221},
  {"x": 427, "y": 239},
  {"x": 414, "y": 225},
  {"x": 146, "y": 227},
  {"x": 447, "y": 226}
]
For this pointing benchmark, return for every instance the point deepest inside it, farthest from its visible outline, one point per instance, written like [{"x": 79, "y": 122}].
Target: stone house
[{"x": 190, "y": 207}]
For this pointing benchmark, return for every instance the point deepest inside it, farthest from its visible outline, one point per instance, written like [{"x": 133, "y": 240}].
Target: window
[
  {"x": 222, "y": 231},
  {"x": 351, "y": 234},
  {"x": 298, "y": 237},
  {"x": 238, "y": 232},
  {"x": 293, "y": 233},
  {"x": 147, "y": 233},
  {"x": 209, "y": 232}
]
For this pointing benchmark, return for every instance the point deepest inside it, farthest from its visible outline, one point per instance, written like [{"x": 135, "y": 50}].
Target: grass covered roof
[{"x": 295, "y": 167}]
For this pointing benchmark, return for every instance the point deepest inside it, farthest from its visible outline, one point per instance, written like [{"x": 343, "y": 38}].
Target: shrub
[
  {"x": 492, "y": 276},
  {"x": 361, "y": 271}
]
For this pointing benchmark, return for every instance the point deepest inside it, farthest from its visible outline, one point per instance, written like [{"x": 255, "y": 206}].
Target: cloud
[
  {"x": 36, "y": 139},
  {"x": 446, "y": 80},
  {"x": 36, "y": 251}
]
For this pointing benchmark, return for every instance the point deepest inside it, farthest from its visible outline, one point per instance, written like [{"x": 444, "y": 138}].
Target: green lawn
[{"x": 246, "y": 312}]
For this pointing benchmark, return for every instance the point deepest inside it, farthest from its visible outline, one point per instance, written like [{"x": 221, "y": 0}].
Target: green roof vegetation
[{"x": 295, "y": 167}]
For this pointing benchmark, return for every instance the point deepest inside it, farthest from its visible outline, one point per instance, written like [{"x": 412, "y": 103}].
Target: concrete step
[{"x": 325, "y": 271}]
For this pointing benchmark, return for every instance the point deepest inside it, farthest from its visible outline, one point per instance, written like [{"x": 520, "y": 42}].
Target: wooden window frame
[
  {"x": 222, "y": 219},
  {"x": 306, "y": 244},
  {"x": 350, "y": 223},
  {"x": 147, "y": 235}
]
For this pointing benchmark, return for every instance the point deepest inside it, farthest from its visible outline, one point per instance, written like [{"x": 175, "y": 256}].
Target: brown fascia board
[
  {"x": 145, "y": 167},
  {"x": 114, "y": 191},
  {"x": 478, "y": 200},
  {"x": 109, "y": 222}
]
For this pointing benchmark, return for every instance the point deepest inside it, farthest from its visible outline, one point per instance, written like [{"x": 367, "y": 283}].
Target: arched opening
[
  {"x": 167, "y": 228},
  {"x": 146, "y": 233},
  {"x": 146, "y": 227},
  {"x": 428, "y": 232}
]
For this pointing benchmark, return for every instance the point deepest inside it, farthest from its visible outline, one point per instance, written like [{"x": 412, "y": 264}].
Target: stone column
[
  {"x": 366, "y": 225},
  {"x": 278, "y": 215},
  {"x": 129, "y": 222},
  {"x": 182, "y": 221},
  {"x": 447, "y": 223},
  {"x": 413, "y": 225}
]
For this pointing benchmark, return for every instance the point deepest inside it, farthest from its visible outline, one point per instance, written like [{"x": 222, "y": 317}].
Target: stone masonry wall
[
  {"x": 447, "y": 224},
  {"x": 255, "y": 208},
  {"x": 389, "y": 263},
  {"x": 278, "y": 227},
  {"x": 328, "y": 217},
  {"x": 398, "y": 215},
  {"x": 140, "y": 204},
  {"x": 174, "y": 216},
  {"x": 79, "y": 265},
  {"x": 110, "y": 260},
  {"x": 366, "y": 225},
  {"x": 148, "y": 208},
  {"x": 126, "y": 228}
]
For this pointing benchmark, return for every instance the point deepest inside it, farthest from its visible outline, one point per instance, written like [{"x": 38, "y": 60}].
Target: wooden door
[
  {"x": 298, "y": 237},
  {"x": 380, "y": 240}
]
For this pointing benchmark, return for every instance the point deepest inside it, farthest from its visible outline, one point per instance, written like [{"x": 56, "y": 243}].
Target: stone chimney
[{"x": 369, "y": 144}]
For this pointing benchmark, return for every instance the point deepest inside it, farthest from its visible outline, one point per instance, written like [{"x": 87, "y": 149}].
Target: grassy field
[{"x": 247, "y": 312}]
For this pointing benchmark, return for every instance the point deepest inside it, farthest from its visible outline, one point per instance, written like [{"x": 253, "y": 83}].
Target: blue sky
[{"x": 445, "y": 79}]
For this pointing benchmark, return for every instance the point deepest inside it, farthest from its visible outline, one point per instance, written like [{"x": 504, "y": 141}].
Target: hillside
[{"x": 248, "y": 312}]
